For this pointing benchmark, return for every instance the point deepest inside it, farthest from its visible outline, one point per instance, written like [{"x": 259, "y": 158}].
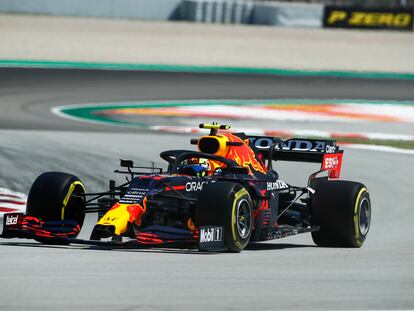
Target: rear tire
[
  {"x": 342, "y": 210},
  {"x": 53, "y": 197},
  {"x": 227, "y": 204}
]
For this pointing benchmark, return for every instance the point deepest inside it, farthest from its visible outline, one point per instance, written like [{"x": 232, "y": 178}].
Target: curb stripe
[
  {"x": 90, "y": 113},
  {"x": 8, "y": 210},
  {"x": 203, "y": 69},
  {"x": 86, "y": 112},
  {"x": 11, "y": 201}
]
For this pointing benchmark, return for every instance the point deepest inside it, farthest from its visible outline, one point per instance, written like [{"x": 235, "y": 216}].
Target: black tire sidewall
[
  {"x": 233, "y": 240},
  {"x": 217, "y": 206},
  {"x": 335, "y": 208},
  {"x": 47, "y": 194},
  {"x": 358, "y": 237}
]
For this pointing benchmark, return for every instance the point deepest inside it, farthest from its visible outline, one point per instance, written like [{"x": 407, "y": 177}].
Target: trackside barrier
[
  {"x": 249, "y": 12},
  {"x": 311, "y": 15},
  {"x": 288, "y": 14},
  {"x": 226, "y": 12}
]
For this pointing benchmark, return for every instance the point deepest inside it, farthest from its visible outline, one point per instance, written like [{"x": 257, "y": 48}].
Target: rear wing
[{"x": 321, "y": 151}]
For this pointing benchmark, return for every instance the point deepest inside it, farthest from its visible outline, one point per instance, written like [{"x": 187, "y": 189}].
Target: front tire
[
  {"x": 342, "y": 210},
  {"x": 55, "y": 196},
  {"x": 227, "y": 204}
]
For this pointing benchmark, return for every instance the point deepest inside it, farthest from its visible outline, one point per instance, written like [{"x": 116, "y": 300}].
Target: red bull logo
[
  {"x": 230, "y": 146},
  {"x": 243, "y": 155}
]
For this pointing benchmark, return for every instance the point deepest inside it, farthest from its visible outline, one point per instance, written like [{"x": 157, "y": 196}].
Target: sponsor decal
[
  {"x": 137, "y": 192},
  {"x": 306, "y": 145},
  {"x": 330, "y": 149},
  {"x": 368, "y": 18},
  {"x": 211, "y": 237},
  {"x": 133, "y": 196},
  {"x": 262, "y": 142},
  {"x": 277, "y": 185},
  {"x": 211, "y": 234},
  {"x": 195, "y": 186},
  {"x": 11, "y": 219},
  {"x": 332, "y": 163}
]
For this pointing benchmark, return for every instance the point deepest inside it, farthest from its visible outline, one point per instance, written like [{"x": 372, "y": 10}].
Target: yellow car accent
[
  {"x": 356, "y": 219},
  {"x": 67, "y": 197},
  {"x": 205, "y": 143},
  {"x": 214, "y": 126},
  {"x": 120, "y": 215},
  {"x": 238, "y": 195}
]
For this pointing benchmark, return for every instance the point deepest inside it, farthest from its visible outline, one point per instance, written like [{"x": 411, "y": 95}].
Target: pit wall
[{"x": 283, "y": 14}]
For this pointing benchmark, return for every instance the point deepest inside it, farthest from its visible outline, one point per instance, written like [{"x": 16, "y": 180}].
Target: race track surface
[
  {"x": 284, "y": 274},
  {"x": 28, "y": 94}
]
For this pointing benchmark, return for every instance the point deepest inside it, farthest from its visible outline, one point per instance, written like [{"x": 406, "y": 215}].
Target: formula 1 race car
[{"x": 221, "y": 197}]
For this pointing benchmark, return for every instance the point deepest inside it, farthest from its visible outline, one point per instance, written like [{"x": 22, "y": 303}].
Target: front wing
[{"x": 18, "y": 225}]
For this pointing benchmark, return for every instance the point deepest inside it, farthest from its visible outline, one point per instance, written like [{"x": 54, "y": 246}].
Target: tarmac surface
[
  {"x": 27, "y": 95},
  {"x": 287, "y": 274}
]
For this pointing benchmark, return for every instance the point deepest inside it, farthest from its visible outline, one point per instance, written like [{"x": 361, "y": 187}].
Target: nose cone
[{"x": 119, "y": 216}]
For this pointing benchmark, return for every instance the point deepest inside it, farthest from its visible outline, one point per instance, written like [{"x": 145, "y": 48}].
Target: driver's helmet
[{"x": 195, "y": 167}]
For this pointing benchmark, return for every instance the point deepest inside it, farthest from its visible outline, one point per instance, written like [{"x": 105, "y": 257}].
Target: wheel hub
[
  {"x": 243, "y": 219},
  {"x": 364, "y": 216}
]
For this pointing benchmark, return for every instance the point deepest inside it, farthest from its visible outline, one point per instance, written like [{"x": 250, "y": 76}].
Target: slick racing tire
[
  {"x": 342, "y": 210},
  {"x": 229, "y": 205},
  {"x": 54, "y": 196}
]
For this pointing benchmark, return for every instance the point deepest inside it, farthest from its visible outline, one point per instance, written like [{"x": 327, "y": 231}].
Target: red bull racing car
[{"x": 221, "y": 197}]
